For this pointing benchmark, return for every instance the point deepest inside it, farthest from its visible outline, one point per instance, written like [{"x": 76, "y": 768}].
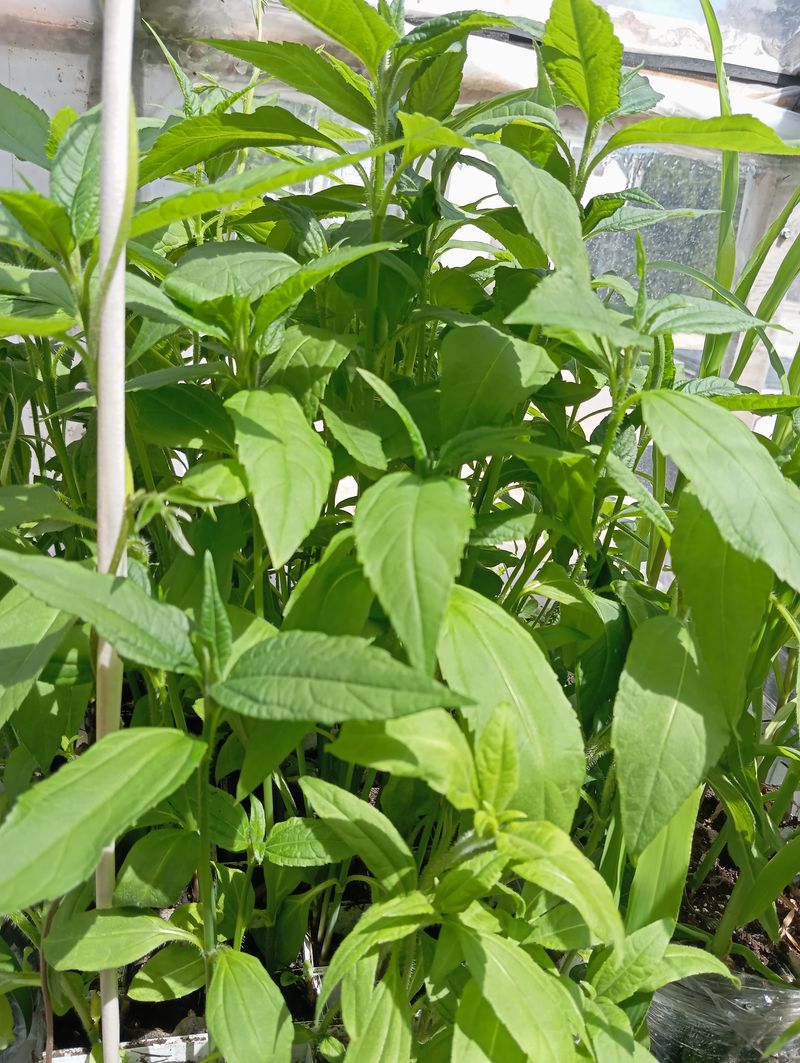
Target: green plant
[{"x": 394, "y": 629}]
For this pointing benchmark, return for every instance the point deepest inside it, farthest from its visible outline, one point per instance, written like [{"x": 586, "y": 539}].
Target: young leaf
[
  {"x": 436, "y": 90},
  {"x": 487, "y": 653},
  {"x": 356, "y": 434},
  {"x": 485, "y": 374},
  {"x": 727, "y": 593},
  {"x": 54, "y": 835},
  {"x": 546, "y": 856},
  {"x": 497, "y": 759},
  {"x": 733, "y": 477},
  {"x": 75, "y": 177},
  {"x": 141, "y": 629},
  {"x": 531, "y": 1004},
  {"x": 113, "y": 937},
  {"x": 687, "y": 313},
  {"x": 198, "y": 139},
  {"x": 214, "y": 624},
  {"x": 354, "y": 24},
  {"x": 366, "y": 831},
  {"x": 469, "y": 881},
  {"x": 668, "y": 729},
  {"x": 392, "y": 400},
  {"x": 174, "y": 972},
  {"x": 24, "y": 128},
  {"x": 299, "y": 842},
  {"x": 332, "y": 596},
  {"x": 157, "y": 868},
  {"x": 246, "y": 1013},
  {"x": 583, "y": 57},
  {"x": 305, "y": 675},
  {"x": 410, "y": 535},
  {"x": 288, "y": 467},
  {"x": 435, "y": 35},
  {"x": 44, "y": 219},
  {"x": 307, "y": 71},
  {"x": 428, "y": 745},
  {"x": 30, "y": 633}
]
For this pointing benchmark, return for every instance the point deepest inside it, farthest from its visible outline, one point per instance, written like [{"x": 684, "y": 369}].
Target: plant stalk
[{"x": 118, "y": 26}]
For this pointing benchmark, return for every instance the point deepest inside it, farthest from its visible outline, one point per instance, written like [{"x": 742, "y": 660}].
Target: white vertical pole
[{"x": 118, "y": 28}]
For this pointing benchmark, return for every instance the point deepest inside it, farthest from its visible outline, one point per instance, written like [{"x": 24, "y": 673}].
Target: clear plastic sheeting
[{"x": 709, "y": 1020}]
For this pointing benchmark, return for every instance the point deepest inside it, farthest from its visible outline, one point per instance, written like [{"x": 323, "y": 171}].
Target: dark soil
[{"x": 704, "y": 907}]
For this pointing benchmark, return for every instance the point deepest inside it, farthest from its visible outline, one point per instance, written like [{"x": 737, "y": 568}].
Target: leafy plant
[{"x": 398, "y": 634}]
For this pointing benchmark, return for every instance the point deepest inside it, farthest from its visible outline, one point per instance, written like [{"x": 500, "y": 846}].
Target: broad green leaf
[
  {"x": 435, "y": 35},
  {"x": 583, "y": 57},
  {"x": 669, "y": 728},
  {"x": 624, "y": 972},
  {"x": 253, "y": 182},
  {"x": 140, "y": 628},
  {"x": 489, "y": 655},
  {"x": 485, "y": 375},
  {"x": 26, "y": 317},
  {"x": 54, "y": 835},
  {"x": 436, "y": 90},
  {"x": 424, "y": 134},
  {"x": 24, "y": 128},
  {"x": 183, "y": 416},
  {"x": 387, "y": 1026},
  {"x": 733, "y": 477},
  {"x": 75, "y": 177},
  {"x": 547, "y": 857},
  {"x": 683, "y": 961},
  {"x": 688, "y": 313},
  {"x": 30, "y": 633},
  {"x": 531, "y": 1004},
  {"x": 479, "y": 1036},
  {"x": 548, "y": 210},
  {"x": 307, "y": 71},
  {"x": 609, "y": 1033},
  {"x": 727, "y": 593},
  {"x": 236, "y": 268},
  {"x": 288, "y": 467},
  {"x": 332, "y": 596},
  {"x": 28, "y": 503},
  {"x": 267, "y": 746},
  {"x": 381, "y": 923},
  {"x": 756, "y": 403},
  {"x": 304, "y": 363},
  {"x": 428, "y": 745},
  {"x": 113, "y": 937},
  {"x": 44, "y": 219},
  {"x": 366, "y": 831},
  {"x": 410, "y": 535},
  {"x": 393, "y": 401},
  {"x": 736, "y": 132},
  {"x": 205, "y": 137},
  {"x": 497, "y": 760},
  {"x": 308, "y": 676},
  {"x": 210, "y": 482},
  {"x": 632, "y": 219},
  {"x": 361, "y": 441},
  {"x": 157, "y": 868},
  {"x": 246, "y": 1013},
  {"x": 283, "y": 295},
  {"x": 354, "y": 24},
  {"x": 174, "y": 972},
  {"x": 469, "y": 881},
  {"x": 305, "y": 843}
]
